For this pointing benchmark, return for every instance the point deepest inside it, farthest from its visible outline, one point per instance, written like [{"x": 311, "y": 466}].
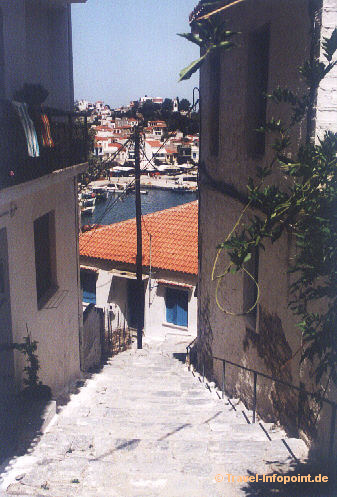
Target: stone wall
[{"x": 272, "y": 343}]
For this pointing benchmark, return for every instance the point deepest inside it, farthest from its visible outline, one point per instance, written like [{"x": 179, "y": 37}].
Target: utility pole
[{"x": 139, "y": 259}]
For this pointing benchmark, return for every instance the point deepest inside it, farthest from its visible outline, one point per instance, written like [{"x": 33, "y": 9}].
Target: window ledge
[{"x": 175, "y": 326}]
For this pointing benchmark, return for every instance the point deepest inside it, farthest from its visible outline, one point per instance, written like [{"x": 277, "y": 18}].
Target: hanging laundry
[
  {"x": 29, "y": 129},
  {"x": 47, "y": 140}
]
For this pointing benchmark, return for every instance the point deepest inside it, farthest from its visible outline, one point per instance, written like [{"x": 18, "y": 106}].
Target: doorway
[{"x": 132, "y": 304}]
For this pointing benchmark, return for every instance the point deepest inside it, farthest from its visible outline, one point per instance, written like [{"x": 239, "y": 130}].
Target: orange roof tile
[
  {"x": 174, "y": 240},
  {"x": 171, "y": 150},
  {"x": 154, "y": 143}
]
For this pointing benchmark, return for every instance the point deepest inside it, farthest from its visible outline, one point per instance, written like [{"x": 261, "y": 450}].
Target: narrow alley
[{"x": 145, "y": 426}]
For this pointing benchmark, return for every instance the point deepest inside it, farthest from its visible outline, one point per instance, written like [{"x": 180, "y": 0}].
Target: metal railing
[
  {"x": 188, "y": 352},
  {"x": 256, "y": 374},
  {"x": 69, "y": 132}
]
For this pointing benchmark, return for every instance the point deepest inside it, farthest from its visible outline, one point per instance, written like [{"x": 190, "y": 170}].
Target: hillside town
[
  {"x": 168, "y": 267},
  {"x": 168, "y": 157},
  {"x": 162, "y": 147}
]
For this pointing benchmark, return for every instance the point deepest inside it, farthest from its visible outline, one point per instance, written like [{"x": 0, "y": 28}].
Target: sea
[{"x": 118, "y": 208}]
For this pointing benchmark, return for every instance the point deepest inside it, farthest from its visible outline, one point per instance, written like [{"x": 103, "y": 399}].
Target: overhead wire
[
  {"x": 109, "y": 206},
  {"x": 110, "y": 159}
]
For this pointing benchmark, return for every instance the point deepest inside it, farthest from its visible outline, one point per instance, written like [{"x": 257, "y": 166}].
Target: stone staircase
[{"x": 145, "y": 426}]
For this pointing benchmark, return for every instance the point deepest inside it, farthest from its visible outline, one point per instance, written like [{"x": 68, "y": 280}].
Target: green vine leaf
[
  {"x": 212, "y": 37},
  {"x": 304, "y": 204},
  {"x": 192, "y": 37},
  {"x": 191, "y": 69}
]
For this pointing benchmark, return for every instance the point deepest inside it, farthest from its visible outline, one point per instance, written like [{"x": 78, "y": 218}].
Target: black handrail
[
  {"x": 188, "y": 350},
  {"x": 332, "y": 404}
]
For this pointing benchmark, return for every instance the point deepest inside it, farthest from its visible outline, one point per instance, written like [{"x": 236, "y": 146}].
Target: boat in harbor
[
  {"x": 118, "y": 188},
  {"x": 88, "y": 205},
  {"x": 87, "y": 201},
  {"x": 100, "y": 193}
]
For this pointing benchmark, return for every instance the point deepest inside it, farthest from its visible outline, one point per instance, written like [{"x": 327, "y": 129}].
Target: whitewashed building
[
  {"x": 170, "y": 260},
  {"x": 39, "y": 271}
]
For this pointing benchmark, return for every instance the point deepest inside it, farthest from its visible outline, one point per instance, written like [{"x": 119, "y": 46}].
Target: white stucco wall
[
  {"x": 326, "y": 118},
  {"x": 156, "y": 326},
  {"x": 112, "y": 296},
  {"x": 37, "y": 48},
  {"x": 56, "y": 326}
]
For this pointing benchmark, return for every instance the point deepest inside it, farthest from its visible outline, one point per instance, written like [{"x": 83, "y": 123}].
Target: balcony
[{"x": 69, "y": 134}]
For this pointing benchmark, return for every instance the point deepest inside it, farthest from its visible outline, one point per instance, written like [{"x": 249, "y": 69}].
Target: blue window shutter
[
  {"x": 182, "y": 305},
  {"x": 89, "y": 297},
  {"x": 88, "y": 283},
  {"x": 176, "y": 307},
  {"x": 170, "y": 306}
]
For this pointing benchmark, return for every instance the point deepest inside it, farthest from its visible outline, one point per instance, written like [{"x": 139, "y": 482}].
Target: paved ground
[{"x": 146, "y": 427}]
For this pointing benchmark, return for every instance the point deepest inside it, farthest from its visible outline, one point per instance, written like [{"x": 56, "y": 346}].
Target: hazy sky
[{"x": 125, "y": 49}]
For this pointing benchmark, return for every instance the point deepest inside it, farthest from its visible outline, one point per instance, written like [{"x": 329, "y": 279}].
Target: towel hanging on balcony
[
  {"x": 29, "y": 129},
  {"x": 47, "y": 140}
]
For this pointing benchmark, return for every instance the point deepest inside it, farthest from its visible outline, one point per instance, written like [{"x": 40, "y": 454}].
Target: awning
[
  {"x": 89, "y": 268},
  {"x": 174, "y": 283},
  {"x": 126, "y": 274}
]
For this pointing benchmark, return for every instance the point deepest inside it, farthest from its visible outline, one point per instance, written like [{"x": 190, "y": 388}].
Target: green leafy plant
[
  {"x": 305, "y": 206},
  {"x": 33, "y": 386},
  {"x": 211, "y": 37},
  {"x": 28, "y": 349}
]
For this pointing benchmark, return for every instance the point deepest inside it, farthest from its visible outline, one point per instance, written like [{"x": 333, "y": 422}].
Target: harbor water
[{"x": 118, "y": 208}]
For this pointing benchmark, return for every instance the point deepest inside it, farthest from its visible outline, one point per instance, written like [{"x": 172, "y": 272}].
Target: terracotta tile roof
[
  {"x": 115, "y": 144},
  {"x": 174, "y": 243},
  {"x": 154, "y": 143},
  {"x": 157, "y": 123},
  {"x": 170, "y": 150},
  {"x": 103, "y": 127}
]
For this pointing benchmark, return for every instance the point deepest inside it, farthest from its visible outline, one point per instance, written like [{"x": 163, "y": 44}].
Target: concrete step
[{"x": 145, "y": 426}]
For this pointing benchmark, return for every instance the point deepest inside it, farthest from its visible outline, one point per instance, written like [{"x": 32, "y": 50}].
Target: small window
[
  {"x": 176, "y": 302},
  {"x": 258, "y": 72},
  {"x": 88, "y": 285},
  {"x": 215, "y": 84},
  {"x": 45, "y": 257}
]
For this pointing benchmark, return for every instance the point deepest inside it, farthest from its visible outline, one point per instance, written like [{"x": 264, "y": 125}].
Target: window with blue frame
[
  {"x": 176, "y": 302},
  {"x": 88, "y": 285}
]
